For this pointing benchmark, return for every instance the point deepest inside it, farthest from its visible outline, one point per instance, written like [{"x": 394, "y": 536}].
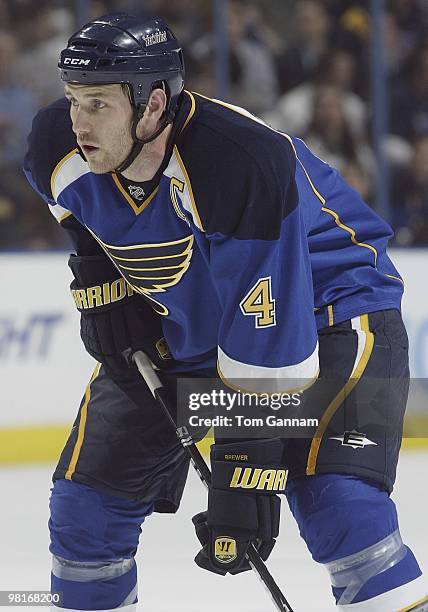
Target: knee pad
[
  {"x": 94, "y": 538},
  {"x": 351, "y": 526}
]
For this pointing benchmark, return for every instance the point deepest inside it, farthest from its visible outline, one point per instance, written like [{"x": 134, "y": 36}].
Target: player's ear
[{"x": 157, "y": 102}]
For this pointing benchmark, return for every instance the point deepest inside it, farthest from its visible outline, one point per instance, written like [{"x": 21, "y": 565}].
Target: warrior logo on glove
[
  {"x": 225, "y": 549},
  {"x": 243, "y": 503},
  {"x": 257, "y": 478},
  {"x": 101, "y": 295}
]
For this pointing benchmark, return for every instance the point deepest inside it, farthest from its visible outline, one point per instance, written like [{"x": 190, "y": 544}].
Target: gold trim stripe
[
  {"x": 153, "y": 269},
  {"x": 414, "y": 604},
  {"x": 395, "y": 278},
  {"x": 131, "y": 259},
  {"x": 189, "y": 187},
  {"x": 335, "y": 215},
  {"x": 329, "y": 210},
  {"x": 137, "y": 209},
  {"x": 330, "y": 315},
  {"x": 316, "y": 192},
  {"x": 82, "y": 425},
  {"x": 341, "y": 396},
  {"x": 192, "y": 109},
  {"x": 156, "y": 278},
  {"x": 350, "y": 230},
  {"x": 58, "y": 167},
  {"x": 144, "y": 246},
  {"x": 64, "y": 216}
]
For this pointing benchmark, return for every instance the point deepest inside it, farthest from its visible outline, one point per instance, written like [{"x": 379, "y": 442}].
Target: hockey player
[{"x": 194, "y": 221}]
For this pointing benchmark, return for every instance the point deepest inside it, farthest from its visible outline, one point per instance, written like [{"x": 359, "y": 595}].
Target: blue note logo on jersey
[{"x": 152, "y": 268}]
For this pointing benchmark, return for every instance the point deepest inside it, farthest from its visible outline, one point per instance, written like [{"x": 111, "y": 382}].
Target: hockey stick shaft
[{"x": 145, "y": 367}]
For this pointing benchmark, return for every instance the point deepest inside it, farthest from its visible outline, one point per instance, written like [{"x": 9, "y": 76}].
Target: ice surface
[{"x": 169, "y": 580}]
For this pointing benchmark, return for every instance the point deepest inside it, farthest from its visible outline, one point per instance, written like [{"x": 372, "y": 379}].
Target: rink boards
[{"x": 44, "y": 368}]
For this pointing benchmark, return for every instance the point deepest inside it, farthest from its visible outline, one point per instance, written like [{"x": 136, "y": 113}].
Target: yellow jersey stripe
[
  {"x": 350, "y": 230},
  {"x": 395, "y": 278},
  {"x": 330, "y": 315},
  {"x": 335, "y": 216},
  {"x": 82, "y": 425},
  {"x": 314, "y": 189},
  {"x": 341, "y": 396},
  {"x": 138, "y": 209},
  {"x": 192, "y": 109},
  {"x": 64, "y": 216},
  {"x": 188, "y": 239},
  {"x": 414, "y": 604}
]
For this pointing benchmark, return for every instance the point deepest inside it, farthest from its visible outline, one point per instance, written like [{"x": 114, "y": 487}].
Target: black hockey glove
[
  {"x": 242, "y": 504},
  {"x": 114, "y": 319}
]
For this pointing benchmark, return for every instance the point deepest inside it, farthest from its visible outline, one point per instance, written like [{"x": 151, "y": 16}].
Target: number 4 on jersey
[{"x": 260, "y": 304}]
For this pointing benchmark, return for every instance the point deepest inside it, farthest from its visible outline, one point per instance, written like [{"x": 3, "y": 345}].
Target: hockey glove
[
  {"x": 242, "y": 504},
  {"x": 114, "y": 319}
]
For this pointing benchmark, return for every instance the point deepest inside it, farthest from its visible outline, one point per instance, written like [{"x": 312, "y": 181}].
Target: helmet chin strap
[{"x": 140, "y": 142}]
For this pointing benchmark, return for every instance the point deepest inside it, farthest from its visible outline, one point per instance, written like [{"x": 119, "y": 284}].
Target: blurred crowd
[{"x": 302, "y": 65}]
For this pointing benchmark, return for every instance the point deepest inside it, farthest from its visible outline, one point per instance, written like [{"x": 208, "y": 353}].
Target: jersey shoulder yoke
[{"x": 50, "y": 141}]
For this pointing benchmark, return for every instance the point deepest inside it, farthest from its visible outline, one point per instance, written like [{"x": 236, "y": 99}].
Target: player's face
[{"x": 101, "y": 118}]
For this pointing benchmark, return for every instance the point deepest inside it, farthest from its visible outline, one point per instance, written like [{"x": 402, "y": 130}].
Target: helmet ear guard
[{"x": 121, "y": 49}]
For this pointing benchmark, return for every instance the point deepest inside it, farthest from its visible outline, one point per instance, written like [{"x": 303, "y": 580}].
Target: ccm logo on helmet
[{"x": 76, "y": 61}]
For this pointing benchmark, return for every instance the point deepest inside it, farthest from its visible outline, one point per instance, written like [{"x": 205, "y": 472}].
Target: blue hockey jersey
[{"x": 244, "y": 241}]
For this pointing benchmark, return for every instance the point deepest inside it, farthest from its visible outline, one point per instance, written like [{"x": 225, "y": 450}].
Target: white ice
[{"x": 169, "y": 580}]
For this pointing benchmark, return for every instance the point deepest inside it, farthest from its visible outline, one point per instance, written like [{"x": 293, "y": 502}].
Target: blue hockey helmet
[{"x": 123, "y": 49}]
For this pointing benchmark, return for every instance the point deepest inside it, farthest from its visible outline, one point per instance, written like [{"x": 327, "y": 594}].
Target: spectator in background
[
  {"x": 22, "y": 222},
  {"x": 330, "y": 136},
  {"x": 410, "y": 198},
  {"x": 301, "y": 60},
  {"x": 319, "y": 42},
  {"x": 4, "y": 15},
  {"x": 395, "y": 51},
  {"x": 17, "y": 105},
  {"x": 201, "y": 68},
  {"x": 253, "y": 76},
  {"x": 45, "y": 33},
  {"x": 253, "y": 81},
  {"x": 412, "y": 19},
  {"x": 409, "y": 112},
  {"x": 293, "y": 111},
  {"x": 189, "y": 18},
  {"x": 350, "y": 31}
]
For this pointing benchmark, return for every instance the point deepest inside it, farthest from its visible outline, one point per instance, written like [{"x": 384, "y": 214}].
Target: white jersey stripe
[
  {"x": 260, "y": 379},
  {"x": 59, "y": 212},
  {"x": 70, "y": 170}
]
